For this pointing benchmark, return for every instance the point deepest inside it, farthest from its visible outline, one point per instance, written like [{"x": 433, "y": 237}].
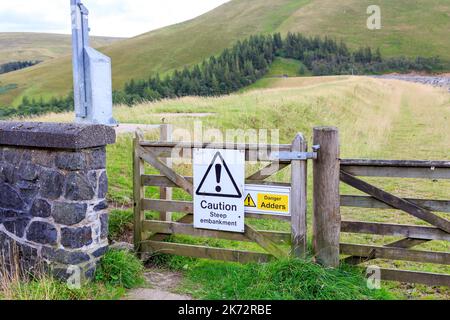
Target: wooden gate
[
  {"x": 150, "y": 235},
  {"x": 329, "y": 170},
  {"x": 413, "y": 235}
]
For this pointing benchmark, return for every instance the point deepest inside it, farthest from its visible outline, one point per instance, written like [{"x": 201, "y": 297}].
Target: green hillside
[
  {"x": 409, "y": 28},
  {"x": 21, "y": 46}
]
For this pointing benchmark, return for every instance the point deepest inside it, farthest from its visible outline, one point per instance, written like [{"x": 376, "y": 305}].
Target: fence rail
[{"x": 397, "y": 168}]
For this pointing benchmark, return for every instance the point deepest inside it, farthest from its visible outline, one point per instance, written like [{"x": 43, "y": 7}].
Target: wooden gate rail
[
  {"x": 396, "y": 230},
  {"x": 414, "y": 234},
  {"x": 183, "y": 150},
  {"x": 150, "y": 235},
  {"x": 188, "y": 229},
  {"x": 397, "y": 168},
  {"x": 373, "y": 203},
  {"x": 197, "y": 251},
  {"x": 427, "y": 278},
  {"x": 378, "y": 252},
  {"x": 162, "y": 181}
]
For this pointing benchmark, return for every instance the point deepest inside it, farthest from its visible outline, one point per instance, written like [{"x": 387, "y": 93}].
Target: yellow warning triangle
[{"x": 249, "y": 202}]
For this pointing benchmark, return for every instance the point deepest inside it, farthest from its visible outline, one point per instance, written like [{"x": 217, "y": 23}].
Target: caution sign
[
  {"x": 219, "y": 189},
  {"x": 267, "y": 199}
]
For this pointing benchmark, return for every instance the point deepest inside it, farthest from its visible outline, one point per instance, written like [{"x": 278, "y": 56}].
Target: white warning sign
[{"x": 219, "y": 189}]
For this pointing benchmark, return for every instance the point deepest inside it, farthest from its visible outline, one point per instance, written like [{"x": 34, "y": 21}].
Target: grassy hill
[
  {"x": 409, "y": 28},
  {"x": 21, "y": 46},
  {"x": 377, "y": 118}
]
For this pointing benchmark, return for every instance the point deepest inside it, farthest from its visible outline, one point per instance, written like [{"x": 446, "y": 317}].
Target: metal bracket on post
[
  {"x": 92, "y": 84},
  {"x": 289, "y": 156}
]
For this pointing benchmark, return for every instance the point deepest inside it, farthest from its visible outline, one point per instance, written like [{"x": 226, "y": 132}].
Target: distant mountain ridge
[
  {"x": 29, "y": 46},
  {"x": 410, "y": 28}
]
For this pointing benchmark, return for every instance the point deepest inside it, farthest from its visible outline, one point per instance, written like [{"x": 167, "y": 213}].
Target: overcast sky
[{"x": 120, "y": 18}]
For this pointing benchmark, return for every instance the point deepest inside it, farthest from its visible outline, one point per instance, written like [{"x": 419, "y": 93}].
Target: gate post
[
  {"x": 166, "y": 193},
  {"x": 138, "y": 191},
  {"x": 298, "y": 204},
  {"x": 327, "y": 217}
]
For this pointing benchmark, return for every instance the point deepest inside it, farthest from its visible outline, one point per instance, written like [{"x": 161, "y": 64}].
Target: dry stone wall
[{"x": 53, "y": 186}]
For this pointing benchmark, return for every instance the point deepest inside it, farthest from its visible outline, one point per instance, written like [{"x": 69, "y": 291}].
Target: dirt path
[{"x": 161, "y": 286}]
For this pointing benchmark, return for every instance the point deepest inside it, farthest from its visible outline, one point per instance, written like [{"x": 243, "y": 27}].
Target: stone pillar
[{"x": 53, "y": 187}]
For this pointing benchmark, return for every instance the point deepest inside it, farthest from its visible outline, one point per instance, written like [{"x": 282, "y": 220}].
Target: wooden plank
[
  {"x": 403, "y": 243},
  {"x": 267, "y": 171},
  {"x": 396, "y": 202},
  {"x": 187, "y": 218},
  {"x": 397, "y": 230},
  {"x": 172, "y": 206},
  {"x": 138, "y": 193},
  {"x": 299, "y": 199},
  {"x": 265, "y": 242},
  {"x": 395, "y": 253},
  {"x": 253, "y": 152},
  {"x": 427, "y": 278},
  {"x": 204, "y": 252},
  {"x": 186, "y": 154},
  {"x": 162, "y": 181},
  {"x": 396, "y": 163},
  {"x": 188, "y": 207},
  {"x": 326, "y": 216},
  {"x": 371, "y": 202},
  {"x": 277, "y": 236},
  {"x": 225, "y": 145},
  {"x": 165, "y": 193},
  {"x": 179, "y": 180},
  {"x": 406, "y": 243},
  {"x": 188, "y": 229},
  {"x": 398, "y": 172}
]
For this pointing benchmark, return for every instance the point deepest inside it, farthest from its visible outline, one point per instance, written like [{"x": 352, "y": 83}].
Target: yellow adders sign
[{"x": 267, "y": 199}]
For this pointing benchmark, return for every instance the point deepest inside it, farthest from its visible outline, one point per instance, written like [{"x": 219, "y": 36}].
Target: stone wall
[{"x": 53, "y": 187}]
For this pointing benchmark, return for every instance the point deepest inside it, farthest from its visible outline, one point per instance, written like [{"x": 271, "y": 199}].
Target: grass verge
[
  {"x": 117, "y": 271},
  {"x": 278, "y": 280}
]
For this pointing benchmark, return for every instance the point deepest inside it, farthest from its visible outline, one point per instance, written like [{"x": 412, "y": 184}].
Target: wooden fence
[
  {"x": 412, "y": 235},
  {"x": 329, "y": 171}
]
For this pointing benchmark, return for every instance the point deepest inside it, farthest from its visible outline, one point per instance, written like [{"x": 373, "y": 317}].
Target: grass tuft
[
  {"x": 121, "y": 268},
  {"x": 278, "y": 280}
]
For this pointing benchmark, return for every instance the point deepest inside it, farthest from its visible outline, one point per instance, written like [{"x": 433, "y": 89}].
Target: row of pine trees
[
  {"x": 16, "y": 65},
  {"x": 249, "y": 60}
]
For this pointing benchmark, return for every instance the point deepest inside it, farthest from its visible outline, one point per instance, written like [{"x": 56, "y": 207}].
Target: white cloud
[{"x": 122, "y": 18}]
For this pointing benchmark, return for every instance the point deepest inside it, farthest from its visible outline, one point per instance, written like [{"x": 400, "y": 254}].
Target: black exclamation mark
[{"x": 218, "y": 175}]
